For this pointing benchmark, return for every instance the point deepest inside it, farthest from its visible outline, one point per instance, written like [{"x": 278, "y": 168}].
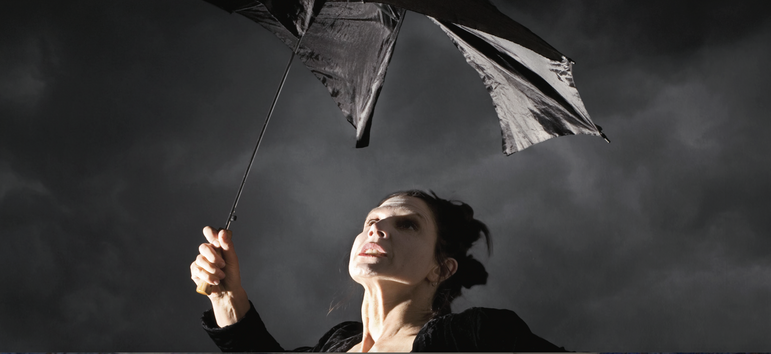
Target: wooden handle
[{"x": 204, "y": 289}]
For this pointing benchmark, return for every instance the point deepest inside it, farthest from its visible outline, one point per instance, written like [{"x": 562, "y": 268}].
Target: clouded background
[{"x": 125, "y": 127}]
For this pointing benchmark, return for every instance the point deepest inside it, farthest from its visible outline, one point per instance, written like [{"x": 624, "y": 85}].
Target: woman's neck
[{"x": 391, "y": 311}]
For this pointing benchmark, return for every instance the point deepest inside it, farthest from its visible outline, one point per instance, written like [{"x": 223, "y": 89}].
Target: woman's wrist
[{"x": 230, "y": 307}]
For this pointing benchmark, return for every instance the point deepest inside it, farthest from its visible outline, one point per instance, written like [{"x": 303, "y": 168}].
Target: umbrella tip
[{"x": 599, "y": 130}]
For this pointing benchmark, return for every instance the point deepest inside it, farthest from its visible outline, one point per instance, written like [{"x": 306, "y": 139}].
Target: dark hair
[{"x": 457, "y": 230}]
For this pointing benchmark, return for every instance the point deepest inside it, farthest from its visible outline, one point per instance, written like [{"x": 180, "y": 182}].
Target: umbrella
[{"x": 348, "y": 45}]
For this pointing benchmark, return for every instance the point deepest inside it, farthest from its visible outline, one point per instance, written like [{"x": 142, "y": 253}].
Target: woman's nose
[{"x": 375, "y": 230}]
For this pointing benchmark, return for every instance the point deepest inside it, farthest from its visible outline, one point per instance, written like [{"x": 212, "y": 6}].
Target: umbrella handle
[{"x": 203, "y": 289}]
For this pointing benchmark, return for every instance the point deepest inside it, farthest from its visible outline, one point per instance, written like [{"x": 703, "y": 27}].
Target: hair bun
[{"x": 471, "y": 272}]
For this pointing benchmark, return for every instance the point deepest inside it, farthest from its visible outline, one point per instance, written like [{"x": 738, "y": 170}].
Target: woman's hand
[{"x": 217, "y": 265}]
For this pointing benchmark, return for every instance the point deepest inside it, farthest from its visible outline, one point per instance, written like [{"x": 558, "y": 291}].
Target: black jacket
[{"x": 474, "y": 330}]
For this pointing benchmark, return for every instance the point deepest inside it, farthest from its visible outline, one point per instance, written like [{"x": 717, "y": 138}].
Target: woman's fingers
[
  {"x": 201, "y": 269},
  {"x": 208, "y": 251},
  {"x": 211, "y": 235},
  {"x": 208, "y": 264},
  {"x": 197, "y": 274},
  {"x": 217, "y": 260},
  {"x": 204, "y": 264}
]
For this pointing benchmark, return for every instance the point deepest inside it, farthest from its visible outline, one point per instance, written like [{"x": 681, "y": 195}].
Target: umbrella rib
[{"x": 232, "y": 215}]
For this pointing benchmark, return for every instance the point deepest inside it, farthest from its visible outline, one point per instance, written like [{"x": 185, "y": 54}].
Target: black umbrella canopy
[
  {"x": 348, "y": 46},
  {"x": 480, "y": 15},
  {"x": 295, "y": 15}
]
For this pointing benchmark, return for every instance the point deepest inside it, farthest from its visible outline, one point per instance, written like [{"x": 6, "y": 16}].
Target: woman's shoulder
[
  {"x": 487, "y": 312},
  {"x": 339, "y": 338},
  {"x": 483, "y": 329},
  {"x": 487, "y": 319}
]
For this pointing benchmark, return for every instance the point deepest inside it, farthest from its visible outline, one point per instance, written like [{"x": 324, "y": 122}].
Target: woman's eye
[{"x": 407, "y": 225}]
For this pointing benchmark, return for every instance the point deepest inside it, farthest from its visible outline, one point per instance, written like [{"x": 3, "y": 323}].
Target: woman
[{"x": 412, "y": 260}]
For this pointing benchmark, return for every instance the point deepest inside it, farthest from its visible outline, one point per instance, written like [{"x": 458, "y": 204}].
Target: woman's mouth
[{"x": 372, "y": 250}]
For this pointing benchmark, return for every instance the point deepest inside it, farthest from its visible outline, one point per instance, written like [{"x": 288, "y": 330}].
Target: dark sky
[{"x": 125, "y": 127}]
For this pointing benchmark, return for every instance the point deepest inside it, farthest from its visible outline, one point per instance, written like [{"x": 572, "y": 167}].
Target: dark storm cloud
[
  {"x": 83, "y": 186},
  {"x": 678, "y": 171},
  {"x": 126, "y": 127}
]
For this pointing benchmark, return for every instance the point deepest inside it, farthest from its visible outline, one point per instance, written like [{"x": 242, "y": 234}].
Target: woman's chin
[{"x": 366, "y": 269}]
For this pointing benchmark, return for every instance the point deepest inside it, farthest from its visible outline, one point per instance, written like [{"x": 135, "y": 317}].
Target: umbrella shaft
[{"x": 232, "y": 215}]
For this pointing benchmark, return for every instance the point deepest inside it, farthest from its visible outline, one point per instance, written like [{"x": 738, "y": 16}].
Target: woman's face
[{"x": 396, "y": 244}]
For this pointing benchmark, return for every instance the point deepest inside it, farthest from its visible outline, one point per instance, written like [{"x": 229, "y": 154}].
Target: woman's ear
[
  {"x": 451, "y": 266},
  {"x": 441, "y": 273}
]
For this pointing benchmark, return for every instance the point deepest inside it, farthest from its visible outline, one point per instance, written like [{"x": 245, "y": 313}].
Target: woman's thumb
[{"x": 225, "y": 238}]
